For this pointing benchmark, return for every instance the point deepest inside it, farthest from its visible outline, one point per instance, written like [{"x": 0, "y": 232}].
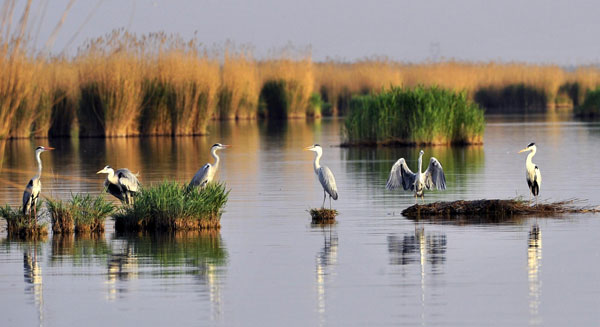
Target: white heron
[
  {"x": 324, "y": 174},
  {"x": 121, "y": 183},
  {"x": 401, "y": 175},
  {"x": 206, "y": 174},
  {"x": 532, "y": 172},
  {"x": 34, "y": 187}
]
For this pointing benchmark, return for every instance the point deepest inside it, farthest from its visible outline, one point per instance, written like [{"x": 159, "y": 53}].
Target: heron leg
[
  {"x": 34, "y": 203},
  {"x": 324, "y": 197},
  {"x": 330, "y": 202}
]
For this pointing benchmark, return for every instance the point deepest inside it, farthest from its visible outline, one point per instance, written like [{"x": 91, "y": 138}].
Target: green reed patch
[
  {"x": 82, "y": 213},
  {"x": 170, "y": 206},
  {"x": 590, "y": 106},
  {"x": 22, "y": 225},
  {"x": 419, "y": 116}
]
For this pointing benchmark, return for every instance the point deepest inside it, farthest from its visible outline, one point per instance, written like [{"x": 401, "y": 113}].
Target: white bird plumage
[
  {"x": 34, "y": 187},
  {"x": 207, "y": 173},
  {"x": 532, "y": 172},
  {"x": 121, "y": 183},
  {"x": 432, "y": 178},
  {"x": 324, "y": 174}
]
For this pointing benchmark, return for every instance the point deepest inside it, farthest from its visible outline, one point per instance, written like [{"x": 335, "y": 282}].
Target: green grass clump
[
  {"x": 419, "y": 116},
  {"x": 23, "y": 226},
  {"x": 83, "y": 213},
  {"x": 171, "y": 206},
  {"x": 590, "y": 106}
]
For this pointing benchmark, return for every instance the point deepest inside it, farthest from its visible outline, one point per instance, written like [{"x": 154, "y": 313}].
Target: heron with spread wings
[
  {"x": 121, "y": 183},
  {"x": 432, "y": 178},
  {"x": 206, "y": 174}
]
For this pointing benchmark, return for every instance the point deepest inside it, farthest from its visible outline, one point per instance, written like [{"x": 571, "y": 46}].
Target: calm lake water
[{"x": 269, "y": 266}]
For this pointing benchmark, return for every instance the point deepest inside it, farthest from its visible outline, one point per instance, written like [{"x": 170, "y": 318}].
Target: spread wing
[
  {"x": 115, "y": 190},
  {"x": 128, "y": 180},
  {"x": 434, "y": 175},
  {"x": 328, "y": 181},
  {"x": 201, "y": 176},
  {"x": 401, "y": 175}
]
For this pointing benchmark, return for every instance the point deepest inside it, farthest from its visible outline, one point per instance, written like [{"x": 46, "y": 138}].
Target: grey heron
[
  {"x": 401, "y": 175},
  {"x": 324, "y": 174},
  {"x": 34, "y": 187},
  {"x": 122, "y": 183},
  {"x": 206, "y": 174},
  {"x": 532, "y": 172}
]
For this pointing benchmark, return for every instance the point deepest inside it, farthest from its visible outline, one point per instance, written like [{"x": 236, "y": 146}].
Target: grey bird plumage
[
  {"x": 207, "y": 173},
  {"x": 121, "y": 183},
  {"x": 432, "y": 178},
  {"x": 34, "y": 187},
  {"x": 324, "y": 174}
]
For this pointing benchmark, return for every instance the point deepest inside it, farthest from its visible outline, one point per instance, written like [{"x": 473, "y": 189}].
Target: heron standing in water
[
  {"x": 532, "y": 172},
  {"x": 206, "y": 174},
  {"x": 34, "y": 187},
  {"x": 122, "y": 183},
  {"x": 401, "y": 175},
  {"x": 324, "y": 174}
]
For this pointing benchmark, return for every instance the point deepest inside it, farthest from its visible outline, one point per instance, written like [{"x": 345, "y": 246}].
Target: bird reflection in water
[
  {"x": 209, "y": 275},
  {"x": 32, "y": 274},
  {"x": 122, "y": 266},
  {"x": 422, "y": 248},
  {"x": 326, "y": 259},
  {"x": 534, "y": 264}
]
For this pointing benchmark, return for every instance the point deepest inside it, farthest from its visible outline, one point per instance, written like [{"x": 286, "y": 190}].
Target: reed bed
[
  {"x": 21, "y": 225},
  {"x": 493, "y": 208},
  {"x": 240, "y": 87},
  {"x": 419, "y": 116},
  {"x": 590, "y": 106},
  {"x": 83, "y": 213},
  {"x": 170, "y": 206}
]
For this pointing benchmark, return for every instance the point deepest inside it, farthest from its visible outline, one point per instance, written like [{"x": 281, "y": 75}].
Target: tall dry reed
[{"x": 240, "y": 87}]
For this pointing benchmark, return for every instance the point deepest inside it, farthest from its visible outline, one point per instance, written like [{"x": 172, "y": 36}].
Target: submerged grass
[
  {"x": 170, "y": 206},
  {"x": 419, "y": 116},
  {"x": 23, "y": 226},
  {"x": 82, "y": 213}
]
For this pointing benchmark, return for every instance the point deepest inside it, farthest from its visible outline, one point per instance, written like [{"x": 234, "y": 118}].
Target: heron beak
[
  {"x": 227, "y": 145},
  {"x": 48, "y": 149},
  {"x": 100, "y": 171},
  {"x": 523, "y": 150},
  {"x": 308, "y": 148}
]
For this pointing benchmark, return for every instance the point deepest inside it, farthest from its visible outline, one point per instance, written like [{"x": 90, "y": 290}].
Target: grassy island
[
  {"x": 83, "y": 213},
  {"x": 419, "y": 116},
  {"x": 170, "y": 206},
  {"x": 21, "y": 225}
]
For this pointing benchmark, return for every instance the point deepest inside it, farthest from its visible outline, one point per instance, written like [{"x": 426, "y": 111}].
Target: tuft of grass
[
  {"x": 323, "y": 216},
  {"x": 170, "y": 206},
  {"x": 419, "y": 116},
  {"x": 82, "y": 213},
  {"x": 23, "y": 226}
]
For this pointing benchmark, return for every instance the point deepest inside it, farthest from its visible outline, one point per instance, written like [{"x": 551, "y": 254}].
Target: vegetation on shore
[
  {"x": 590, "y": 106},
  {"x": 419, "y": 116},
  {"x": 83, "y": 213},
  {"x": 21, "y": 225},
  {"x": 123, "y": 84},
  {"x": 323, "y": 216},
  {"x": 170, "y": 206}
]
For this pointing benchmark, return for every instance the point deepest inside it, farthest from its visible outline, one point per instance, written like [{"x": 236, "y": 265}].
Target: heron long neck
[
  {"x": 420, "y": 162},
  {"x": 111, "y": 176},
  {"x": 316, "y": 164},
  {"x": 530, "y": 156},
  {"x": 213, "y": 152},
  {"x": 39, "y": 162}
]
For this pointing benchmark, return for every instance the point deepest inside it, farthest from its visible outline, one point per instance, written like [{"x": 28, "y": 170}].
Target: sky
[{"x": 535, "y": 31}]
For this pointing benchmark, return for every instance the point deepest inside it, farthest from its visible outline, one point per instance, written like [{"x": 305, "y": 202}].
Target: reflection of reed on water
[
  {"x": 534, "y": 264},
  {"x": 80, "y": 249}
]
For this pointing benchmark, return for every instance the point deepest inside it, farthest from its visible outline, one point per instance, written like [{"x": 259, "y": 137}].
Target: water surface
[{"x": 269, "y": 266}]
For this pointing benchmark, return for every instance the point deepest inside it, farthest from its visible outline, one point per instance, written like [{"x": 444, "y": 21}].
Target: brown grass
[
  {"x": 493, "y": 209},
  {"x": 240, "y": 87},
  {"x": 323, "y": 216}
]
